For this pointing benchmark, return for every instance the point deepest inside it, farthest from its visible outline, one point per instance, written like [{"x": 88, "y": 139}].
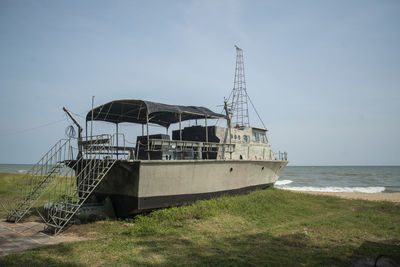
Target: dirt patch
[{"x": 18, "y": 237}]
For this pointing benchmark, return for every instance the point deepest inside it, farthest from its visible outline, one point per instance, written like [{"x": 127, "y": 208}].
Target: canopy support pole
[
  {"x": 180, "y": 132},
  {"x": 116, "y": 126},
  {"x": 91, "y": 122},
  {"x": 180, "y": 127},
  {"x": 148, "y": 138},
  {"x": 206, "y": 136}
]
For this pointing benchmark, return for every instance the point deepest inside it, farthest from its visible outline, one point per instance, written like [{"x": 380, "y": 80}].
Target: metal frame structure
[
  {"x": 64, "y": 181},
  {"x": 84, "y": 175},
  {"x": 38, "y": 180},
  {"x": 239, "y": 107}
]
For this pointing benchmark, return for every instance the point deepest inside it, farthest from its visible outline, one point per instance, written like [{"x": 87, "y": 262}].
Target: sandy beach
[{"x": 392, "y": 197}]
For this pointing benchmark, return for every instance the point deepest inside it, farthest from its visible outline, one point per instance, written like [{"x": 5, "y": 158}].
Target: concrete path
[{"x": 18, "y": 237}]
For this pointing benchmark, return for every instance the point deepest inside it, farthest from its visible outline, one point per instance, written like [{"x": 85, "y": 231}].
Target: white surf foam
[
  {"x": 22, "y": 171},
  {"x": 373, "y": 189},
  {"x": 283, "y": 182}
]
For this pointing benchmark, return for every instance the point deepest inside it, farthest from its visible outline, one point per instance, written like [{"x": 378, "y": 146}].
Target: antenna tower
[{"x": 239, "y": 107}]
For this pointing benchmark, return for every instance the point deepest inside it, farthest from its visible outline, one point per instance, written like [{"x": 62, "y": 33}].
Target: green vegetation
[
  {"x": 8, "y": 182},
  {"x": 267, "y": 227}
]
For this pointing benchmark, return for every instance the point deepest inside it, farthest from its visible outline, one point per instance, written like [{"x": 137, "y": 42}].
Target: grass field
[
  {"x": 266, "y": 227},
  {"x": 8, "y": 182}
]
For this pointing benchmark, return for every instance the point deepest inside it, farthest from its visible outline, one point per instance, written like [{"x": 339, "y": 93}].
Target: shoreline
[{"x": 391, "y": 197}]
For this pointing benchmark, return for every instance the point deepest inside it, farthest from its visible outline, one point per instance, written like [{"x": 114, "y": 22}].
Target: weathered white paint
[
  {"x": 175, "y": 177},
  {"x": 251, "y": 150}
]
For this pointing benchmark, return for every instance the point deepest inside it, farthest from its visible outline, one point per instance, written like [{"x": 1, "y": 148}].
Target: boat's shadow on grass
[
  {"x": 33, "y": 258},
  {"x": 261, "y": 249},
  {"x": 241, "y": 250}
]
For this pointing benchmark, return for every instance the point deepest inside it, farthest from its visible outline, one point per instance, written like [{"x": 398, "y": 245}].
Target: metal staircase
[
  {"x": 38, "y": 180},
  {"x": 64, "y": 179},
  {"x": 71, "y": 192}
]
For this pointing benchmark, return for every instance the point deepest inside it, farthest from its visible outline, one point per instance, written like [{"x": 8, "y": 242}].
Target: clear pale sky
[{"x": 323, "y": 75}]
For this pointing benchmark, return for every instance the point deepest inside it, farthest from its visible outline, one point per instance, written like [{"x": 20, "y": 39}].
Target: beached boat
[
  {"x": 198, "y": 162},
  {"x": 160, "y": 170}
]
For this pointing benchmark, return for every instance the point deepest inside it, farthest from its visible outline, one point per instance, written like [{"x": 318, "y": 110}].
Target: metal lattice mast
[{"x": 239, "y": 106}]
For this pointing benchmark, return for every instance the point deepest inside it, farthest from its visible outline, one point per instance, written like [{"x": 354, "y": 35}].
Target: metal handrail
[
  {"x": 179, "y": 146},
  {"x": 37, "y": 180},
  {"x": 281, "y": 156},
  {"x": 84, "y": 176}
]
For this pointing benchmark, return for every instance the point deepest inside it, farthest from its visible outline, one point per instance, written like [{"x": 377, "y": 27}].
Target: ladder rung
[
  {"x": 85, "y": 192},
  {"x": 70, "y": 204},
  {"x": 64, "y": 211},
  {"x": 101, "y": 173},
  {"x": 29, "y": 198},
  {"x": 59, "y": 218},
  {"x": 54, "y": 225},
  {"x": 20, "y": 209},
  {"x": 88, "y": 186}
]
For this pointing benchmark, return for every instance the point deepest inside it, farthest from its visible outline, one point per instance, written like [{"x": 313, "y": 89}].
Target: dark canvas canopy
[{"x": 131, "y": 110}]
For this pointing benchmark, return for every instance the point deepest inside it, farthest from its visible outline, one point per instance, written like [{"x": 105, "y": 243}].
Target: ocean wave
[
  {"x": 372, "y": 189},
  {"x": 283, "y": 182}
]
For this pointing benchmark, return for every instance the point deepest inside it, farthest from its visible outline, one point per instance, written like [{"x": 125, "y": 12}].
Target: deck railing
[
  {"x": 188, "y": 146},
  {"x": 116, "y": 148},
  {"x": 281, "y": 156}
]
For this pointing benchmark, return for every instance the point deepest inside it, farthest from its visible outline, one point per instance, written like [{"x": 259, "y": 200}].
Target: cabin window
[
  {"x": 256, "y": 137},
  {"x": 239, "y": 137},
  {"x": 263, "y": 138},
  {"x": 235, "y": 136},
  {"x": 246, "y": 138},
  {"x": 231, "y": 136}
]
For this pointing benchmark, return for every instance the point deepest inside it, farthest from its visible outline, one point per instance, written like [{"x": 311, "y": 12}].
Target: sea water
[
  {"x": 367, "y": 179},
  {"x": 15, "y": 168}
]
